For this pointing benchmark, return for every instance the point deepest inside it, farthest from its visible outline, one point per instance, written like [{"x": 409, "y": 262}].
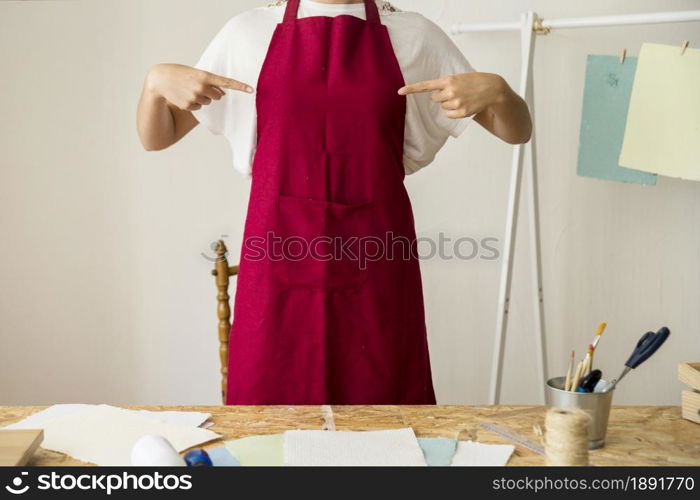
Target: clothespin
[
  {"x": 538, "y": 28},
  {"x": 623, "y": 53},
  {"x": 684, "y": 46}
]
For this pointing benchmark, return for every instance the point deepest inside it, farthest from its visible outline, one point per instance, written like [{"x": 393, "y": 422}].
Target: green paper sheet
[
  {"x": 606, "y": 100},
  {"x": 438, "y": 451},
  {"x": 663, "y": 123},
  {"x": 258, "y": 450}
]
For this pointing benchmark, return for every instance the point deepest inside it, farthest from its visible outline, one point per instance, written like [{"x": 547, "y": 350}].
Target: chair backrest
[{"x": 222, "y": 272}]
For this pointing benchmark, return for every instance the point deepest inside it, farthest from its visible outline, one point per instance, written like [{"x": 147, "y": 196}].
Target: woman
[{"x": 329, "y": 306}]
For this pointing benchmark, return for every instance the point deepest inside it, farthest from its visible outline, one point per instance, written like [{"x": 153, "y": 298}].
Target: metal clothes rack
[{"x": 529, "y": 25}]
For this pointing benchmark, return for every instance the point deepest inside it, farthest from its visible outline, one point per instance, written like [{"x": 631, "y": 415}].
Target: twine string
[{"x": 566, "y": 436}]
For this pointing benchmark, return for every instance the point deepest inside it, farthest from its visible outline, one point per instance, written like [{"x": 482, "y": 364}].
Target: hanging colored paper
[
  {"x": 663, "y": 123},
  {"x": 606, "y": 98}
]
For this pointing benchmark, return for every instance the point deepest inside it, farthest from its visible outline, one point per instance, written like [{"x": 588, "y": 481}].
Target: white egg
[{"x": 154, "y": 451}]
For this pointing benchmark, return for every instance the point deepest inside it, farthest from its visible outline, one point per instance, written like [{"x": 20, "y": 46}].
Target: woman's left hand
[
  {"x": 487, "y": 96},
  {"x": 462, "y": 95}
]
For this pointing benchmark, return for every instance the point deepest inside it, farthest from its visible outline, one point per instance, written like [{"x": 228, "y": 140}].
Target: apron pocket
[{"x": 319, "y": 243}]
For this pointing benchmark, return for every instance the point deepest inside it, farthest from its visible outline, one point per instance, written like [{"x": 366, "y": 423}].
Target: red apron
[{"x": 329, "y": 305}]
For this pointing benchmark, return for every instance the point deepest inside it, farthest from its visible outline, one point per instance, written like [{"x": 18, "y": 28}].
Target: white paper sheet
[
  {"x": 187, "y": 418},
  {"x": 104, "y": 435},
  {"x": 396, "y": 447},
  {"x": 471, "y": 453},
  {"x": 37, "y": 420}
]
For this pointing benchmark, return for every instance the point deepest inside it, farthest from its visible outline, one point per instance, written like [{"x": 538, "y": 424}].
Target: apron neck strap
[{"x": 371, "y": 11}]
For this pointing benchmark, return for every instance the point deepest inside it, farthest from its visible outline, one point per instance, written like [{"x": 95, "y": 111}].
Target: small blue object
[{"x": 197, "y": 458}]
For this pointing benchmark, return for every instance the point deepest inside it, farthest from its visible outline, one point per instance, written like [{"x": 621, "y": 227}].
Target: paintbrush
[
  {"x": 599, "y": 333},
  {"x": 569, "y": 372},
  {"x": 588, "y": 361},
  {"x": 577, "y": 376}
]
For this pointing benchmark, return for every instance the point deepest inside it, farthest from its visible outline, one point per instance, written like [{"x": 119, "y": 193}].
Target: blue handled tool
[
  {"x": 589, "y": 381},
  {"x": 197, "y": 458},
  {"x": 647, "y": 345}
]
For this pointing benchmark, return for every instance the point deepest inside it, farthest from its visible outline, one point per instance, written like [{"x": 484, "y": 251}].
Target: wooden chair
[{"x": 222, "y": 272}]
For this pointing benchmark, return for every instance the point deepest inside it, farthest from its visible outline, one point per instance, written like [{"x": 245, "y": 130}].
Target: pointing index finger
[
  {"x": 229, "y": 83},
  {"x": 426, "y": 86}
]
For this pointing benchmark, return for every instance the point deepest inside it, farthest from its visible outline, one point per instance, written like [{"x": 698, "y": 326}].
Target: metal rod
[
  {"x": 535, "y": 249},
  {"x": 587, "y": 22},
  {"x": 458, "y": 29},
  {"x": 527, "y": 48}
]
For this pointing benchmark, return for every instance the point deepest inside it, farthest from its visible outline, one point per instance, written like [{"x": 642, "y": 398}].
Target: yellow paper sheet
[
  {"x": 104, "y": 435},
  {"x": 663, "y": 122},
  {"x": 263, "y": 450}
]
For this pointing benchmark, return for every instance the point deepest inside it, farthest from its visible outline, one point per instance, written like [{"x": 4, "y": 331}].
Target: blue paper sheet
[
  {"x": 438, "y": 451},
  {"x": 606, "y": 100},
  {"x": 221, "y": 457}
]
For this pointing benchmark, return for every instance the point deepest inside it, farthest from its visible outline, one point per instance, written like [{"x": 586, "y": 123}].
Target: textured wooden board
[
  {"x": 689, "y": 374},
  {"x": 18, "y": 445},
  {"x": 690, "y": 403},
  {"x": 637, "y": 435}
]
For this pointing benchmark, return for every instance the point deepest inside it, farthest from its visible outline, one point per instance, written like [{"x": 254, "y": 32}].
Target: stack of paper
[
  {"x": 104, "y": 435},
  {"x": 36, "y": 421},
  {"x": 395, "y": 447}
]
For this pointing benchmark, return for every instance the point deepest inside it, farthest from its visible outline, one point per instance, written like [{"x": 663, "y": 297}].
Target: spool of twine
[{"x": 566, "y": 436}]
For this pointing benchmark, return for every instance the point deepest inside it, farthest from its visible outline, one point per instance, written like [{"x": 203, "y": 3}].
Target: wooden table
[{"x": 637, "y": 435}]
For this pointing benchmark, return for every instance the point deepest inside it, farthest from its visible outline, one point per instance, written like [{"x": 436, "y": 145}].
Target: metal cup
[{"x": 596, "y": 404}]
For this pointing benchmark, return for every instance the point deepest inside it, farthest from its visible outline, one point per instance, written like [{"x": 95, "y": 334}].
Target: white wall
[{"x": 105, "y": 296}]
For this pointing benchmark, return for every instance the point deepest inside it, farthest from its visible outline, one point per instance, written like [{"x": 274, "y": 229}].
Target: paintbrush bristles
[
  {"x": 585, "y": 366},
  {"x": 599, "y": 333}
]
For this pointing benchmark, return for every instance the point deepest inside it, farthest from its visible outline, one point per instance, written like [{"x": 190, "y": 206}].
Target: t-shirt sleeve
[
  {"x": 427, "y": 125},
  {"x": 217, "y": 59}
]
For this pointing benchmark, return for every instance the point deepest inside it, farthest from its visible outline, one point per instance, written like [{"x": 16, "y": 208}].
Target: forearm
[
  {"x": 170, "y": 94},
  {"x": 486, "y": 96},
  {"x": 155, "y": 122},
  {"x": 159, "y": 124},
  {"x": 508, "y": 117}
]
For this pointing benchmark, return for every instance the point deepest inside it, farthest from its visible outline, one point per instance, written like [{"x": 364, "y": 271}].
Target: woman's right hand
[{"x": 189, "y": 88}]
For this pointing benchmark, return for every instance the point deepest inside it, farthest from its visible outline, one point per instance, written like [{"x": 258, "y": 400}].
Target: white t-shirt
[{"x": 423, "y": 50}]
